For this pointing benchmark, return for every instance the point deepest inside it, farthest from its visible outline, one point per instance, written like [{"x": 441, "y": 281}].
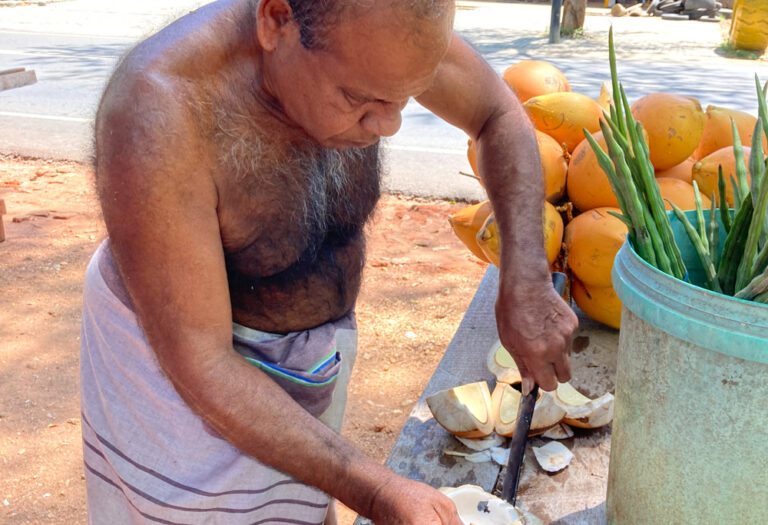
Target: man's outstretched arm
[{"x": 534, "y": 322}]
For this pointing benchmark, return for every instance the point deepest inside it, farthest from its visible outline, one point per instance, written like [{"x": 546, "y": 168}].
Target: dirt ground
[{"x": 419, "y": 280}]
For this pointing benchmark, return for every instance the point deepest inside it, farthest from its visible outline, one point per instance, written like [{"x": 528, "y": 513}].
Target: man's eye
[{"x": 351, "y": 99}]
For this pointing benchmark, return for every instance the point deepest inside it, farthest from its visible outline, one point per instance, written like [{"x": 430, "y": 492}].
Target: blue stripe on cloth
[
  {"x": 287, "y": 374},
  {"x": 330, "y": 358}
]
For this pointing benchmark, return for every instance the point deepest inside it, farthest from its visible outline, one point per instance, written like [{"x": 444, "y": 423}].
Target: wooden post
[
  {"x": 2, "y": 227},
  {"x": 554, "y": 22},
  {"x": 574, "y": 12}
]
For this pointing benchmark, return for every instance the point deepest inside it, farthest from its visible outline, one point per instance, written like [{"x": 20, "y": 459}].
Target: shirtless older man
[{"x": 236, "y": 163}]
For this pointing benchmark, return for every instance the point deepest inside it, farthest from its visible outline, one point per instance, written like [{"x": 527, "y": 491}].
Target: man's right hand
[{"x": 401, "y": 501}]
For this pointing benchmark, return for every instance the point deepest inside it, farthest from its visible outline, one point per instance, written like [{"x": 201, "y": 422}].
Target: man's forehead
[
  {"x": 413, "y": 11},
  {"x": 418, "y": 9},
  {"x": 388, "y": 60},
  {"x": 403, "y": 28}
]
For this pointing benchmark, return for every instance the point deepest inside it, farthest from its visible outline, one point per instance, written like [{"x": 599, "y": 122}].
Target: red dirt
[{"x": 419, "y": 280}]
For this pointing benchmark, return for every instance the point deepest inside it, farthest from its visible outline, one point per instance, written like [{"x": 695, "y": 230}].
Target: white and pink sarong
[{"x": 149, "y": 458}]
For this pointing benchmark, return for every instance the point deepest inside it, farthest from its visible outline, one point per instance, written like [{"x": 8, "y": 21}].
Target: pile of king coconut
[
  {"x": 482, "y": 421},
  {"x": 686, "y": 145}
]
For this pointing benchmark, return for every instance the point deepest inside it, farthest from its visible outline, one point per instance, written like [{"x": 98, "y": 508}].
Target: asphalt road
[{"x": 54, "y": 117}]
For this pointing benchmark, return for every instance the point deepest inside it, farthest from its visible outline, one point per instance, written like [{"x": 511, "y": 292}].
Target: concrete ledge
[{"x": 15, "y": 78}]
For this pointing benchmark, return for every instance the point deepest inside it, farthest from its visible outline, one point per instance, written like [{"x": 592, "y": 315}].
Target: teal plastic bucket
[{"x": 690, "y": 432}]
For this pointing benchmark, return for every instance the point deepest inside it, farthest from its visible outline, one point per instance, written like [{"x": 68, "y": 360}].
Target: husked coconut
[
  {"x": 489, "y": 240},
  {"x": 467, "y": 222},
  {"x": 553, "y": 456},
  {"x": 477, "y": 507},
  {"x": 465, "y": 410},
  {"x": 501, "y": 364},
  {"x": 605, "y": 99},
  {"x": 506, "y": 401},
  {"x": 599, "y": 302},
  {"x": 581, "y": 411},
  {"x": 564, "y": 116},
  {"x": 559, "y": 431}
]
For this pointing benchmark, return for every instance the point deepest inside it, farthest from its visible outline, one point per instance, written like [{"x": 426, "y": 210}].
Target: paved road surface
[{"x": 72, "y": 47}]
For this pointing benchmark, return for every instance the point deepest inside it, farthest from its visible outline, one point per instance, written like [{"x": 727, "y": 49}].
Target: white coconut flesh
[
  {"x": 477, "y": 507},
  {"x": 553, "y": 457},
  {"x": 581, "y": 411},
  {"x": 464, "y": 410},
  {"x": 501, "y": 365},
  {"x": 506, "y": 402}
]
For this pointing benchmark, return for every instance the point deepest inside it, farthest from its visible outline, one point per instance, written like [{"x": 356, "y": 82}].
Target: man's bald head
[
  {"x": 343, "y": 70},
  {"x": 316, "y": 17}
]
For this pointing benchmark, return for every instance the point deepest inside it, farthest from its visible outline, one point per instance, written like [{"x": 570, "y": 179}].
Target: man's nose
[{"x": 384, "y": 119}]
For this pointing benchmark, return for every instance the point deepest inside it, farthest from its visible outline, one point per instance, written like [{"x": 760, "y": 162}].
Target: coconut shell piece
[
  {"x": 559, "y": 431},
  {"x": 506, "y": 401},
  {"x": 465, "y": 410},
  {"x": 581, "y": 411},
  {"x": 483, "y": 456},
  {"x": 477, "y": 507},
  {"x": 553, "y": 457},
  {"x": 498, "y": 455},
  {"x": 480, "y": 444}
]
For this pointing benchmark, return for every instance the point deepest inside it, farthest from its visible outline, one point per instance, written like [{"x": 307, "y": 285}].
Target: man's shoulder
[
  {"x": 144, "y": 121},
  {"x": 143, "y": 80},
  {"x": 151, "y": 98},
  {"x": 138, "y": 107},
  {"x": 174, "y": 75}
]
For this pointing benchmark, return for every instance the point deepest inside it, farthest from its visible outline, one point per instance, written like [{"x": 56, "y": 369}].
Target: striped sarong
[{"x": 150, "y": 459}]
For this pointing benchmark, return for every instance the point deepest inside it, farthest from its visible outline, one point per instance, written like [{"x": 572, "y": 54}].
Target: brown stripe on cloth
[
  {"x": 166, "y": 479},
  {"x": 149, "y": 517},
  {"x": 149, "y": 457},
  {"x": 120, "y": 483}
]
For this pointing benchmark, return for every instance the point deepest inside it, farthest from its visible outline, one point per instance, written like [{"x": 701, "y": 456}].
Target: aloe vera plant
[
  {"x": 631, "y": 174},
  {"x": 741, "y": 269}
]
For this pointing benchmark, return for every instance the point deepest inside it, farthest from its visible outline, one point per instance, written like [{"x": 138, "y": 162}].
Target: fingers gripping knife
[{"x": 523, "y": 426}]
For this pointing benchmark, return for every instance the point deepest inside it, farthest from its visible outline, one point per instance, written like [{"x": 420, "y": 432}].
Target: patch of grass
[
  {"x": 573, "y": 33},
  {"x": 728, "y": 51}
]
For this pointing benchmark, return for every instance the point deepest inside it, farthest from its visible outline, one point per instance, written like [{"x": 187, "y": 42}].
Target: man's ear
[{"x": 274, "y": 21}]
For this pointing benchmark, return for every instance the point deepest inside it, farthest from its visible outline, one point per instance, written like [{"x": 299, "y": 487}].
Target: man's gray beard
[
  {"x": 338, "y": 188},
  {"x": 342, "y": 186}
]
